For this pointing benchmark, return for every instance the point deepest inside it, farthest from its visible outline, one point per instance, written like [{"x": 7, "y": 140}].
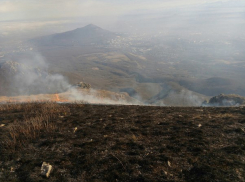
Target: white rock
[
  {"x": 46, "y": 169},
  {"x": 169, "y": 163},
  {"x": 11, "y": 169}
]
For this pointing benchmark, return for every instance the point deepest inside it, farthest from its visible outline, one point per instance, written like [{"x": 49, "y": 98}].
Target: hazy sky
[
  {"x": 128, "y": 16},
  {"x": 48, "y": 9}
]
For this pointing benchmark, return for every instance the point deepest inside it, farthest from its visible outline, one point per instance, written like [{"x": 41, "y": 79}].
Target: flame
[
  {"x": 57, "y": 97},
  {"x": 36, "y": 98}
]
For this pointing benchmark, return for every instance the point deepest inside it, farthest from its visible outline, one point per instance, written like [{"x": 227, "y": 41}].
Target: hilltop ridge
[{"x": 88, "y": 35}]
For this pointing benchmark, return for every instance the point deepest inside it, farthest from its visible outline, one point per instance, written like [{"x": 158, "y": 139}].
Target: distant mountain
[{"x": 88, "y": 35}]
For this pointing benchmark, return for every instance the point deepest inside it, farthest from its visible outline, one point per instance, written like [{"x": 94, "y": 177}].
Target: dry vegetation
[
  {"x": 121, "y": 143},
  {"x": 37, "y": 119}
]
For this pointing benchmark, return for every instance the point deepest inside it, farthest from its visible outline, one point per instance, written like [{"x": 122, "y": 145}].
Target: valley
[{"x": 153, "y": 69}]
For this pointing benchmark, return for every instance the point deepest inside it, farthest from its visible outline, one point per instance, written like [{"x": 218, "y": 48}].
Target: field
[{"x": 121, "y": 143}]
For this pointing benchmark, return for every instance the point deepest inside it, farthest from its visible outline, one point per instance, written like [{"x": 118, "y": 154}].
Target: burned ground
[{"x": 122, "y": 143}]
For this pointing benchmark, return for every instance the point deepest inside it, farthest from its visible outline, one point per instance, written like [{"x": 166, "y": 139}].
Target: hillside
[
  {"x": 214, "y": 86},
  {"x": 89, "y": 96},
  {"x": 146, "y": 69},
  {"x": 88, "y": 35},
  {"x": 121, "y": 143},
  {"x": 24, "y": 81},
  {"x": 226, "y": 100}
]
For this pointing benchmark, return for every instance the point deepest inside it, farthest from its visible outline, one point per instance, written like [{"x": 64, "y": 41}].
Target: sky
[
  {"x": 53, "y": 9},
  {"x": 43, "y": 17}
]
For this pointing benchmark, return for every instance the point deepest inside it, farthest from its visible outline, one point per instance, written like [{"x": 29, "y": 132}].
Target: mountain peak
[
  {"x": 88, "y": 35},
  {"x": 91, "y": 26}
]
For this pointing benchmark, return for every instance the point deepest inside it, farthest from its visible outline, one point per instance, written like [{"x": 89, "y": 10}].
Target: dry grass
[
  {"x": 38, "y": 118},
  {"x": 225, "y": 115}
]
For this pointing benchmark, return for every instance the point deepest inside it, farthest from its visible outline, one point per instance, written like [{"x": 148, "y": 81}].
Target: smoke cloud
[{"x": 31, "y": 76}]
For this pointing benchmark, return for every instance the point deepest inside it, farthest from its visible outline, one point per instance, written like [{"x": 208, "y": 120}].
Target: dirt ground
[{"x": 126, "y": 143}]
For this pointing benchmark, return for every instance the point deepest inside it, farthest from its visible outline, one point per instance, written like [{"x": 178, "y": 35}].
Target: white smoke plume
[{"x": 31, "y": 76}]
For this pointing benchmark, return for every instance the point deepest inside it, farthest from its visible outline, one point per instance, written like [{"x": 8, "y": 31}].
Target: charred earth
[{"x": 121, "y": 143}]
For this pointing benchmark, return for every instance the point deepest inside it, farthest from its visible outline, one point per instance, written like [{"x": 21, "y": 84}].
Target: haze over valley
[{"x": 172, "y": 56}]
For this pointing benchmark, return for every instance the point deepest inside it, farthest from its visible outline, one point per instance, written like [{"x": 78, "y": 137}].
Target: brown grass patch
[{"x": 39, "y": 118}]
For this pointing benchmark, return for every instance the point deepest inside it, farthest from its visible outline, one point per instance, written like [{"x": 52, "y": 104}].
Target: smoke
[
  {"x": 98, "y": 97},
  {"x": 180, "y": 98},
  {"x": 31, "y": 76},
  {"x": 222, "y": 103},
  {"x": 186, "y": 98},
  {"x": 225, "y": 100}
]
